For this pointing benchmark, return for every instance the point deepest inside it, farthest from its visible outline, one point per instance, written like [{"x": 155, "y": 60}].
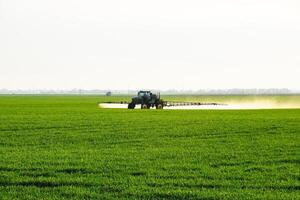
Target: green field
[{"x": 66, "y": 147}]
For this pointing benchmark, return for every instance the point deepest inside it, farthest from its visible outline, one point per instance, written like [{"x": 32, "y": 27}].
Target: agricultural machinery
[{"x": 149, "y": 100}]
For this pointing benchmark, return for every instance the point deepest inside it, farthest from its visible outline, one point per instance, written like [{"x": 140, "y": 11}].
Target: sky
[{"x": 160, "y": 44}]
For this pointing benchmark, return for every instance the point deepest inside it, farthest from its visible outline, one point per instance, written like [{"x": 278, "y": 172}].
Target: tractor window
[{"x": 144, "y": 93}]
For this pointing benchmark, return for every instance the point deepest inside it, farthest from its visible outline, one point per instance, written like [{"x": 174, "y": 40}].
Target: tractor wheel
[
  {"x": 144, "y": 106},
  {"x": 159, "y": 106},
  {"x": 131, "y": 106}
]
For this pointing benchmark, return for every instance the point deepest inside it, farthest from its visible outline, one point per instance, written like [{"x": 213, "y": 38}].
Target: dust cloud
[{"x": 230, "y": 105}]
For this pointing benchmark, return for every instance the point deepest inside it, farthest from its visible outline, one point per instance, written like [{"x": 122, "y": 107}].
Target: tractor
[{"x": 147, "y": 100}]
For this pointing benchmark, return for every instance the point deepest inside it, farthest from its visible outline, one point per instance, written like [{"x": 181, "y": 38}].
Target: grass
[{"x": 66, "y": 147}]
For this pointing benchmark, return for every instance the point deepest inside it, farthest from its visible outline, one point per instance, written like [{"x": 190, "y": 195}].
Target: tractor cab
[{"x": 144, "y": 93}]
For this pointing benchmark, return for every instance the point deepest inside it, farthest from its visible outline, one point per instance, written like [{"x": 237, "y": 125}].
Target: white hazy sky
[{"x": 162, "y": 44}]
